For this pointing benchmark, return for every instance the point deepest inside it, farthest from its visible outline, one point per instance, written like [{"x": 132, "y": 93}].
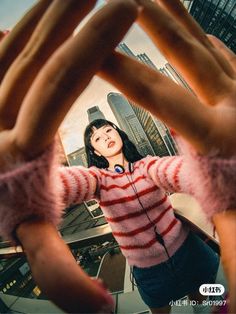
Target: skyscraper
[
  {"x": 146, "y": 60},
  {"x": 129, "y": 122},
  {"x": 158, "y": 134},
  {"x": 95, "y": 113},
  {"x": 155, "y": 132},
  {"x": 172, "y": 73},
  {"x": 124, "y": 48},
  {"x": 217, "y": 17},
  {"x": 78, "y": 158},
  {"x": 187, "y": 3}
]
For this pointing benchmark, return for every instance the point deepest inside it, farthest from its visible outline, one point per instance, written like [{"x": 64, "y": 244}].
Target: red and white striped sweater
[
  {"x": 152, "y": 176},
  {"x": 35, "y": 188}
]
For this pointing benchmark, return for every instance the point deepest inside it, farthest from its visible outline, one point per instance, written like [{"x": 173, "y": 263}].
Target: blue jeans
[{"x": 193, "y": 264}]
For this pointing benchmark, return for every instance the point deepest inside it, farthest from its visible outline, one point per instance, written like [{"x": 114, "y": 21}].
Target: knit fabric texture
[
  {"x": 28, "y": 190},
  {"x": 210, "y": 179},
  {"x": 132, "y": 224}
]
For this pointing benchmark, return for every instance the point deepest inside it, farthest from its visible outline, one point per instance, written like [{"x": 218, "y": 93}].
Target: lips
[{"x": 111, "y": 144}]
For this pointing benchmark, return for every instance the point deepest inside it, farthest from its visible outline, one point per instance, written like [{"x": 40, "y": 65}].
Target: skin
[
  {"x": 198, "y": 120},
  {"x": 26, "y": 112},
  {"x": 20, "y": 34},
  {"x": 199, "y": 58},
  {"x": 75, "y": 289},
  {"x": 107, "y": 142},
  {"x": 100, "y": 140},
  {"x": 48, "y": 35}
]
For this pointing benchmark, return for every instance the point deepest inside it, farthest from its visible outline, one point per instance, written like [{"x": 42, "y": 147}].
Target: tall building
[
  {"x": 173, "y": 74},
  {"x": 217, "y": 17},
  {"x": 78, "y": 158},
  {"x": 156, "y": 131},
  {"x": 95, "y": 113},
  {"x": 166, "y": 136},
  {"x": 125, "y": 49},
  {"x": 129, "y": 122},
  {"x": 146, "y": 60},
  {"x": 151, "y": 128},
  {"x": 187, "y": 3}
]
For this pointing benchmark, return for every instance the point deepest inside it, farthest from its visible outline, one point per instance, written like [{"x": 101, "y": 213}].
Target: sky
[{"x": 95, "y": 94}]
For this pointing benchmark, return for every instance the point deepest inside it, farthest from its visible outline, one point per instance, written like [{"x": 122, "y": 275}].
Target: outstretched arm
[
  {"x": 78, "y": 184},
  {"x": 30, "y": 201},
  {"x": 196, "y": 119},
  {"x": 57, "y": 273},
  {"x": 68, "y": 81},
  {"x": 207, "y": 121}
]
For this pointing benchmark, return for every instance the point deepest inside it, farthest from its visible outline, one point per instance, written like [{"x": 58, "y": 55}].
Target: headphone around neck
[{"x": 120, "y": 169}]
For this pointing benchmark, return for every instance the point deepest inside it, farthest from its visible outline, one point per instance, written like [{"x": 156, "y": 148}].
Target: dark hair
[{"x": 129, "y": 150}]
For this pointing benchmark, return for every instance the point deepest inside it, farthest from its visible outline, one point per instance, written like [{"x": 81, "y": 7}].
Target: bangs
[
  {"x": 96, "y": 124},
  {"x": 130, "y": 151}
]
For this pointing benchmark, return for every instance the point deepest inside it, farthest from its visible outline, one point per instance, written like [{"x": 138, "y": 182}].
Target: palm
[
  {"x": 35, "y": 85},
  {"x": 18, "y": 67},
  {"x": 223, "y": 137},
  {"x": 207, "y": 121}
]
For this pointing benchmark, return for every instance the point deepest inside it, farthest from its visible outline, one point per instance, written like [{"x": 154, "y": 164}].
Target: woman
[
  {"x": 168, "y": 262},
  {"x": 28, "y": 122}
]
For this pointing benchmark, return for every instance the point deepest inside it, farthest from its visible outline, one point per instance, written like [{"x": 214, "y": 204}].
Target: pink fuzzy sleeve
[
  {"x": 79, "y": 184},
  {"x": 165, "y": 172},
  {"x": 29, "y": 190},
  {"x": 211, "y": 179}
]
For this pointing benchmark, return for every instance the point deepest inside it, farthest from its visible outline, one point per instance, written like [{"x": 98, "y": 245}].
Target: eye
[
  {"x": 97, "y": 139},
  {"x": 108, "y": 130}
]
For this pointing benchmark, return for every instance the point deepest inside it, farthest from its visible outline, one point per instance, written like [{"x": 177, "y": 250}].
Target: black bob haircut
[{"x": 129, "y": 150}]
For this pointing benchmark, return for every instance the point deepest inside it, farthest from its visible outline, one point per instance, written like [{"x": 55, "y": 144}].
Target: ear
[{"x": 97, "y": 153}]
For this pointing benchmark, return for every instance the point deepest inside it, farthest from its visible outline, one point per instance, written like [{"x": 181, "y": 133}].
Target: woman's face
[{"x": 106, "y": 141}]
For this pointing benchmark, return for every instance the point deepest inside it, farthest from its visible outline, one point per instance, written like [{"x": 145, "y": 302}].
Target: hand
[
  {"x": 46, "y": 69},
  {"x": 207, "y": 121},
  {"x": 54, "y": 68},
  {"x": 23, "y": 53},
  {"x": 42, "y": 75}
]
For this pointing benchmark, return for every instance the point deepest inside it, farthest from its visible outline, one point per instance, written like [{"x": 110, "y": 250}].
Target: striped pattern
[
  {"x": 79, "y": 184},
  {"x": 120, "y": 195},
  {"x": 165, "y": 172}
]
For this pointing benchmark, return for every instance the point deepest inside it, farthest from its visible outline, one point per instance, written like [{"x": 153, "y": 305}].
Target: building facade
[
  {"x": 157, "y": 132},
  {"x": 152, "y": 132},
  {"x": 129, "y": 122},
  {"x": 95, "y": 113},
  {"x": 217, "y": 17},
  {"x": 78, "y": 158}
]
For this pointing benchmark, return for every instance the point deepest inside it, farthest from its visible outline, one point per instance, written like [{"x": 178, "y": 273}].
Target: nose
[{"x": 106, "y": 136}]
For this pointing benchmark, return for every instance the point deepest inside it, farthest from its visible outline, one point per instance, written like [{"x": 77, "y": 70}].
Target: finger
[
  {"x": 56, "y": 26},
  {"x": 18, "y": 37},
  {"x": 161, "y": 96},
  {"x": 178, "y": 11},
  {"x": 225, "y": 223},
  {"x": 68, "y": 72},
  {"x": 187, "y": 54},
  {"x": 226, "y": 52},
  {"x": 1, "y": 35}
]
